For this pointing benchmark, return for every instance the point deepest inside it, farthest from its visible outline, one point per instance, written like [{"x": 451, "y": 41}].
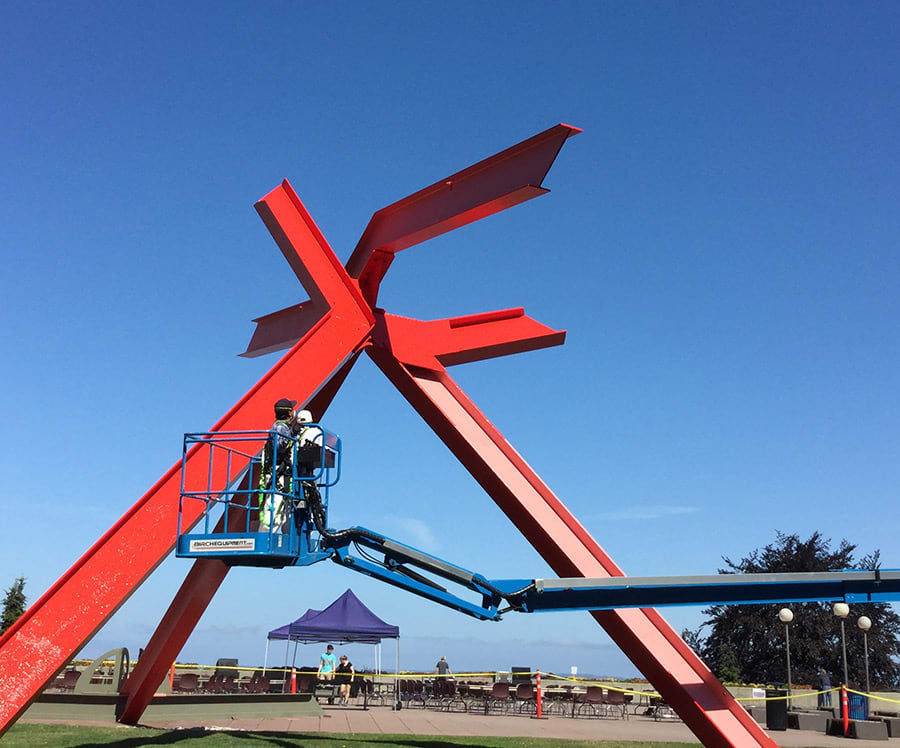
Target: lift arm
[
  {"x": 578, "y": 593},
  {"x": 308, "y": 540},
  {"x": 396, "y": 567},
  {"x": 717, "y": 589}
]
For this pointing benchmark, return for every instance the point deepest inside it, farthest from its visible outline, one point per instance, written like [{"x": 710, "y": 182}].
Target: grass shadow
[{"x": 323, "y": 740}]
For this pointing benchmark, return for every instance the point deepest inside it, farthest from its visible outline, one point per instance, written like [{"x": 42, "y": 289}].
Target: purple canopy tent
[
  {"x": 283, "y": 632},
  {"x": 346, "y": 621}
]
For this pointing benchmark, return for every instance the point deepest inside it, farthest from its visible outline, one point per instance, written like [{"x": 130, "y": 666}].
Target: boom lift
[{"x": 248, "y": 520}]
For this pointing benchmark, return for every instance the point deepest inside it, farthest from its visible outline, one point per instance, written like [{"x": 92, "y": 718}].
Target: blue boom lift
[{"x": 273, "y": 512}]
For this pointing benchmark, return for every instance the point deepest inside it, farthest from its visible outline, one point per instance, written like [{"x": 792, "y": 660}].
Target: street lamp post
[
  {"x": 865, "y": 623},
  {"x": 786, "y": 615},
  {"x": 842, "y": 610}
]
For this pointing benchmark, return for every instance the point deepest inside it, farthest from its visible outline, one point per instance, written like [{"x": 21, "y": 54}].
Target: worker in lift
[
  {"x": 309, "y": 441},
  {"x": 277, "y": 469},
  {"x": 308, "y": 455}
]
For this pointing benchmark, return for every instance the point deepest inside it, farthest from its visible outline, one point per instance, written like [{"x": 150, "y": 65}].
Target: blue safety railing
[{"x": 257, "y": 502}]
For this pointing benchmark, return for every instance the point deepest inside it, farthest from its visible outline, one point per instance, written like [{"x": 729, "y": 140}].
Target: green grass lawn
[{"x": 65, "y": 736}]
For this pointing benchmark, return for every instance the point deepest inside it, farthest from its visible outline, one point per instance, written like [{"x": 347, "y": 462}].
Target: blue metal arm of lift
[
  {"x": 396, "y": 569},
  {"x": 487, "y": 612},
  {"x": 717, "y": 589},
  {"x": 303, "y": 539},
  {"x": 537, "y": 595}
]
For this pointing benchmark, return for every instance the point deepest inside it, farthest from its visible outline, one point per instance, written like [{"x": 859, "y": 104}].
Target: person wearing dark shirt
[
  {"x": 443, "y": 668},
  {"x": 824, "y": 685},
  {"x": 344, "y": 677},
  {"x": 276, "y": 473}
]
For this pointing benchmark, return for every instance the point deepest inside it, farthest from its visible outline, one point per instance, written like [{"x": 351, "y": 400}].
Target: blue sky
[{"x": 720, "y": 243}]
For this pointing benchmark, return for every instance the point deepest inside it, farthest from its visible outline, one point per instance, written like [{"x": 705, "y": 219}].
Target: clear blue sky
[{"x": 721, "y": 244}]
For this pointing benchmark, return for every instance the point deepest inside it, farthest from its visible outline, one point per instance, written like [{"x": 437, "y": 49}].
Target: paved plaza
[{"x": 382, "y": 720}]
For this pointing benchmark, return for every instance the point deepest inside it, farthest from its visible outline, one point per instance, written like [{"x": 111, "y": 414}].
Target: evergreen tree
[
  {"x": 750, "y": 639},
  {"x": 728, "y": 664},
  {"x": 13, "y": 604}
]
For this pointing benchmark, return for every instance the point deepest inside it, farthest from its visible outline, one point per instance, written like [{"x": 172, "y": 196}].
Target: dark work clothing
[
  {"x": 344, "y": 672},
  {"x": 276, "y": 474},
  {"x": 824, "y": 685},
  {"x": 281, "y": 440}
]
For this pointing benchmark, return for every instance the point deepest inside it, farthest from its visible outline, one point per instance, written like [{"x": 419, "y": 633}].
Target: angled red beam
[
  {"x": 320, "y": 272},
  {"x": 494, "y": 184},
  {"x": 39, "y": 644},
  {"x": 642, "y": 634},
  {"x": 282, "y": 329},
  {"x": 191, "y": 601},
  {"x": 460, "y": 340},
  {"x": 193, "y": 598}
]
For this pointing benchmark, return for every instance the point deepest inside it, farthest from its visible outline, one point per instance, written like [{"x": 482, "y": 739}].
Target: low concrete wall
[{"x": 102, "y": 708}]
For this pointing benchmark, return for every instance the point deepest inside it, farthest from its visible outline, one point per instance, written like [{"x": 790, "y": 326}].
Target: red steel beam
[
  {"x": 654, "y": 647},
  {"x": 192, "y": 599},
  {"x": 494, "y": 184},
  {"x": 40, "y": 643},
  {"x": 280, "y": 330},
  {"x": 461, "y": 340}
]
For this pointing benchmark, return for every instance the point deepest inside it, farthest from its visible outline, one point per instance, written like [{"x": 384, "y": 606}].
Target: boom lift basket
[{"x": 258, "y": 500}]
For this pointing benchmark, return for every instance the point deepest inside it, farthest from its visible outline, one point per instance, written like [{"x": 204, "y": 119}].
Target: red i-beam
[{"x": 325, "y": 336}]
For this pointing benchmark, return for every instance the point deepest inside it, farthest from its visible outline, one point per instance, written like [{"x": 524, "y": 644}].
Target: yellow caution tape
[
  {"x": 872, "y": 696},
  {"x": 589, "y": 682},
  {"x": 545, "y": 675},
  {"x": 794, "y": 695}
]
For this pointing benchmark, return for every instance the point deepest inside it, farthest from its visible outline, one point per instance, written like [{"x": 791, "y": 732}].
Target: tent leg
[
  {"x": 266, "y": 658},
  {"x": 287, "y": 651},
  {"x": 397, "y": 675}
]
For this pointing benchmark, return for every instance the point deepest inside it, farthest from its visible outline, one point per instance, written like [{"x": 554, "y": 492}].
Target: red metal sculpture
[{"x": 325, "y": 336}]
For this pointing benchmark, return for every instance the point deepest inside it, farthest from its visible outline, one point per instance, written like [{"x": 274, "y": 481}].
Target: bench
[
  {"x": 758, "y": 713},
  {"x": 816, "y": 721},
  {"x": 892, "y": 723},
  {"x": 859, "y": 728}
]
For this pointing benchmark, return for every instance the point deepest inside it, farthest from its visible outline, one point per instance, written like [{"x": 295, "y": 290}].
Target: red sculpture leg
[
  {"x": 654, "y": 647},
  {"x": 191, "y": 601},
  {"x": 39, "y": 644}
]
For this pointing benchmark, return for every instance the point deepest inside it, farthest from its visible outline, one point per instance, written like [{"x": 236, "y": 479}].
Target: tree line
[{"x": 746, "y": 643}]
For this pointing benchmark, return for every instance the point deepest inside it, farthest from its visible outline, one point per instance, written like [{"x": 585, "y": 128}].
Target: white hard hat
[{"x": 303, "y": 416}]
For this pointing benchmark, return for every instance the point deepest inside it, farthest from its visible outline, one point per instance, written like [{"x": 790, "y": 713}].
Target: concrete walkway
[{"x": 384, "y": 721}]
